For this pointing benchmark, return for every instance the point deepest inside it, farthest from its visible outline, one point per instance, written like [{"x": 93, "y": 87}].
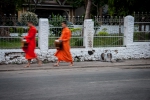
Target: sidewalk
[{"x": 139, "y": 63}]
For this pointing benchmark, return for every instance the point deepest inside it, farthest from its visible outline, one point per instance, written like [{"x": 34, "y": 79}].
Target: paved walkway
[{"x": 139, "y": 63}]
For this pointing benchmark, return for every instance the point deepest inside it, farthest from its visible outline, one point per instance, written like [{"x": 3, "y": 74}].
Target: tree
[
  {"x": 116, "y": 7},
  {"x": 88, "y": 9},
  {"x": 10, "y": 6},
  {"x": 88, "y": 5},
  {"x": 32, "y": 4},
  {"x": 80, "y": 3},
  {"x": 97, "y": 6},
  {"x": 126, "y": 7}
]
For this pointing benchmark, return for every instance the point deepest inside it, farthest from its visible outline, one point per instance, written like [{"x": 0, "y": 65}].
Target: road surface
[{"x": 105, "y": 83}]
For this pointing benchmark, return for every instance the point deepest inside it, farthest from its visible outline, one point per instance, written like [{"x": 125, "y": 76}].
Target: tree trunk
[
  {"x": 100, "y": 11},
  {"x": 88, "y": 9}
]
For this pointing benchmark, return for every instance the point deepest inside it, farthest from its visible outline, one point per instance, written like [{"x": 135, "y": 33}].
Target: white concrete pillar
[
  {"x": 88, "y": 34},
  {"x": 128, "y": 30},
  {"x": 43, "y": 34}
]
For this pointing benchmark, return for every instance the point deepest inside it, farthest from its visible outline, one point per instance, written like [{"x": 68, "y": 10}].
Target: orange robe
[
  {"x": 64, "y": 54},
  {"x": 31, "y": 40}
]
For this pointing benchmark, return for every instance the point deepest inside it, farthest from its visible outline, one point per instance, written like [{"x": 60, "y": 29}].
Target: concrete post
[
  {"x": 88, "y": 34},
  {"x": 43, "y": 34},
  {"x": 128, "y": 30}
]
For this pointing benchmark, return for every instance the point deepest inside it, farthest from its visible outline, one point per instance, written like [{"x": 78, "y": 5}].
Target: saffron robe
[
  {"x": 64, "y": 53},
  {"x": 31, "y": 40}
]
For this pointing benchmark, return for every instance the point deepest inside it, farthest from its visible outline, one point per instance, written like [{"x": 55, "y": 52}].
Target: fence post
[
  {"x": 128, "y": 30},
  {"x": 88, "y": 34},
  {"x": 43, "y": 34}
]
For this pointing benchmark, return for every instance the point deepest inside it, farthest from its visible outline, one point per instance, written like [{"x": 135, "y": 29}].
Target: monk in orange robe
[
  {"x": 31, "y": 40},
  {"x": 64, "y": 53}
]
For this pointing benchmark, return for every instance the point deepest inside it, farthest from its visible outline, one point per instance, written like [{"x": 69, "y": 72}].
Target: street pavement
[
  {"x": 92, "y": 80},
  {"x": 134, "y": 63},
  {"x": 94, "y": 83}
]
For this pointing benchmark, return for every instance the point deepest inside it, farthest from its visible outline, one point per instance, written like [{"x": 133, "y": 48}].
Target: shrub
[
  {"x": 20, "y": 31},
  {"x": 75, "y": 29},
  {"x": 55, "y": 20},
  {"x": 28, "y": 16},
  {"x": 11, "y": 30},
  {"x": 141, "y": 36},
  {"x": 103, "y": 32}
]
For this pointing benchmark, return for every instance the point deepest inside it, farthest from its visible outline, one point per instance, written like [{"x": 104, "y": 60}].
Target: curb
[{"x": 136, "y": 66}]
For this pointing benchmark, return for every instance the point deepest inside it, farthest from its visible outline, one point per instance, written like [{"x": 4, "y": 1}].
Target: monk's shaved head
[{"x": 65, "y": 22}]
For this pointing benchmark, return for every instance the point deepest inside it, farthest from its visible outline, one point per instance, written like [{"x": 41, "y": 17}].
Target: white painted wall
[
  {"x": 111, "y": 29},
  {"x": 134, "y": 51}
]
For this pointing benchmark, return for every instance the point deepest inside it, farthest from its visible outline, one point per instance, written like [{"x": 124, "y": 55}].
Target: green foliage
[
  {"x": 20, "y": 31},
  {"x": 108, "y": 42},
  {"x": 141, "y": 36},
  {"x": 103, "y": 32},
  {"x": 10, "y": 43},
  {"x": 16, "y": 4},
  {"x": 11, "y": 30},
  {"x": 76, "y": 3},
  {"x": 127, "y": 7},
  {"x": 28, "y": 16},
  {"x": 55, "y": 20},
  {"x": 137, "y": 34},
  {"x": 75, "y": 29},
  {"x": 78, "y": 42}
]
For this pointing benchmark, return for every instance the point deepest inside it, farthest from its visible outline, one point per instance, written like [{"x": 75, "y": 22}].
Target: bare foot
[
  {"x": 39, "y": 62},
  {"x": 56, "y": 65},
  {"x": 71, "y": 64},
  {"x": 26, "y": 66}
]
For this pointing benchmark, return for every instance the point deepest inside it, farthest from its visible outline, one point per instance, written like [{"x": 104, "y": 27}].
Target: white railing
[
  {"x": 10, "y": 36},
  {"x": 141, "y": 32},
  {"x": 76, "y": 39}
]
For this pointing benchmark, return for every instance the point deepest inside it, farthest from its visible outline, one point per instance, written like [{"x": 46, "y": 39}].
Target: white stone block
[
  {"x": 43, "y": 34},
  {"x": 49, "y": 59},
  {"x": 2, "y": 56},
  {"x": 128, "y": 30},
  {"x": 6, "y": 63},
  {"x": 48, "y": 56},
  {"x": 88, "y": 34},
  {"x": 7, "y": 58}
]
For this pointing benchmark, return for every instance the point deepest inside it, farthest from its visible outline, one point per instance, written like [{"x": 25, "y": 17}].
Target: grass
[
  {"x": 141, "y": 36},
  {"x": 76, "y": 42},
  {"x": 10, "y": 43},
  {"x": 108, "y": 41}
]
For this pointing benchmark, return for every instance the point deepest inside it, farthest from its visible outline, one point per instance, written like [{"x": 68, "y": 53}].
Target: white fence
[{"x": 132, "y": 50}]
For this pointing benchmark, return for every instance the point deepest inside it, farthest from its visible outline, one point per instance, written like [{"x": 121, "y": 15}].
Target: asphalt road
[{"x": 76, "y": 84}]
